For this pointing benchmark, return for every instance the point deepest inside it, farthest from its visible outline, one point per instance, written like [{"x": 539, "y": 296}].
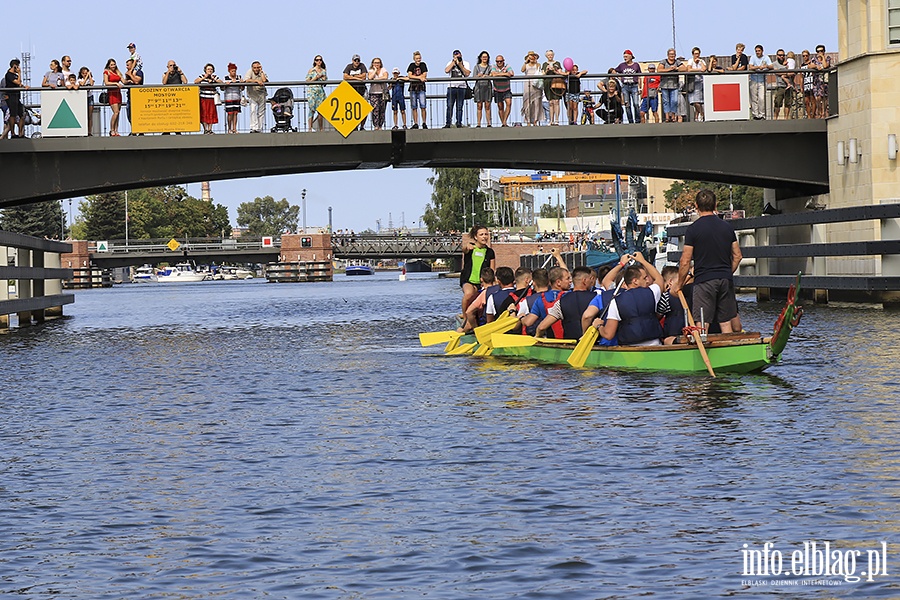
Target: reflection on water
[{"x": 245, "y": 439}]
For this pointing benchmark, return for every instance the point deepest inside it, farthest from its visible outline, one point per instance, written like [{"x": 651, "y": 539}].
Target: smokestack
[{"x": 204, "y": 192}]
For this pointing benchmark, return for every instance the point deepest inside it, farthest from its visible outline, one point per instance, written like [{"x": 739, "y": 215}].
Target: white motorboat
[
  {"x": 145, "y": 274},
  {"x": 180, "y": 273}
]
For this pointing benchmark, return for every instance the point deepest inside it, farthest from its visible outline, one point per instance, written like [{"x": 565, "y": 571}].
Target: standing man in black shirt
[
  {"x": 13, "y": 79},
  {"x": 713, "y": 246}
]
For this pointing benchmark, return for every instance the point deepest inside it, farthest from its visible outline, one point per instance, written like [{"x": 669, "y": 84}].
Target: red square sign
[
  {"x": 266, "y": 242},
  {"x": 726, "y": 96}
]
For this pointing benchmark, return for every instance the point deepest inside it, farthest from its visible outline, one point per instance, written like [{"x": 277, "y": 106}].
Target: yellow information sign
[
  {"x": 173, "y": 245},
  {"x": 167, "y": 109},
  {"x": 344, "y": 108}
]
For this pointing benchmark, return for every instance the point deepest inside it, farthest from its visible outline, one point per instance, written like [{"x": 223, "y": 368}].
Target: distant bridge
[
  {"x": 225, "y": 250},
  {"x": 788, "y": 155}
]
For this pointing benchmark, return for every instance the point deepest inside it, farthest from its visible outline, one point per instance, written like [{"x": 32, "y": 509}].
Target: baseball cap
[
  {"x": 131, "y": 45},
  {"x": 628, "y": 52},
  {"x": 455, "y": 52},
  {"x": 651, "y": 67},
  {"x": 355, "y": 57},
  {"x": 395, "y": 70}
]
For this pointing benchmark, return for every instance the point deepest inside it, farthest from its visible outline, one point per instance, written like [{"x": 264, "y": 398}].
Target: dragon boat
[{"x": 743, "y": 352}]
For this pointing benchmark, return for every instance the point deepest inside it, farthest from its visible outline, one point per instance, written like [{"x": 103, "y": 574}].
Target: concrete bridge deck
[{"x": 785, "y": 155}]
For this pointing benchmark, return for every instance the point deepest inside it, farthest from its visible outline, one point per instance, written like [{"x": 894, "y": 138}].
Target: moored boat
[
  {"x": 180, "y": 273},
  {"x": 359, "y": 270},
  {"x": 417, "y": 266},
  {"x": 144, "y": 274}
]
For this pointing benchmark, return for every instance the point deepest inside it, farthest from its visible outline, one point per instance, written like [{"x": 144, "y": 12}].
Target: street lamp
[
  {"x": 70, "y": 216},
  {"x": 303, "y": 204}
]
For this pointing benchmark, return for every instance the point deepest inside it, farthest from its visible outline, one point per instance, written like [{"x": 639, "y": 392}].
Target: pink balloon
[{"x": 568, "y": 63}]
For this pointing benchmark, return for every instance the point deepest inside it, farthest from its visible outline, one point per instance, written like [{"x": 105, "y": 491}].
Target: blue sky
[{"x": 286, "y": 36}]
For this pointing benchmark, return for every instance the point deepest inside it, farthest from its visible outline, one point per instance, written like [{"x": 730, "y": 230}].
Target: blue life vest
[
  {"x": 607, "y": 296},
  {"x": 499, "y": 297},
  {"x": 490, "y": 290},
  {"x": 637, "y": 308},
  {"x": 573, "y": 305}
]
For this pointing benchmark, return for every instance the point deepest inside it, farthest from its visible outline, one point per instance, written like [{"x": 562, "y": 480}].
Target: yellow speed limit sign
[{"x": 344, "y": 108}]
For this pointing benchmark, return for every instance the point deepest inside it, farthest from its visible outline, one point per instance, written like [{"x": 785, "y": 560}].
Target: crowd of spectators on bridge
[{"x": 553, "y": 92}]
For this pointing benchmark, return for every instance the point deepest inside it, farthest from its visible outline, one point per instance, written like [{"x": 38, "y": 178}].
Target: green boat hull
[{"x": 743, "y": 358}]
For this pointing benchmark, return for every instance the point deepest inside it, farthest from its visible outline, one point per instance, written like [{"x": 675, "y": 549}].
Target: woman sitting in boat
[
  {"x": 632, "y": 314},
  {"x": 476, "y": 256}
]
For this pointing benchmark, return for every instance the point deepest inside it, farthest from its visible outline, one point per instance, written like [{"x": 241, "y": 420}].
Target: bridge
[
  {"x": 787, "y": 155},
  {"x": 122, "y": 253}
]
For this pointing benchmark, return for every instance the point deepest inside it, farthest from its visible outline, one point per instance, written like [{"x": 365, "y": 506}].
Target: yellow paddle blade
[
  {"x": 509, "y": 340},
  {"x": 438, "y": 337},
  {"x": 452, "y": 344},
  {"x": 483, "y": 350},
  {"x": 464, "y": 348},
  {"x": 583, "y": 349},
  {"x": 484, "y": 332}
]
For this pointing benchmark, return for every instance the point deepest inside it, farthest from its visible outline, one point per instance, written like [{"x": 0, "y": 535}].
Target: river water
[{"x": 244, "y": 439}]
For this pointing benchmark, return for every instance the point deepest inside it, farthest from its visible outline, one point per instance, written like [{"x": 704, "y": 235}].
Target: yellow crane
[{"x": 512, "y": 185}]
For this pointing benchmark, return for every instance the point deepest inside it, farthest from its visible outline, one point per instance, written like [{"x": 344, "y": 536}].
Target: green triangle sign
[{"x": 64, "y": 118}]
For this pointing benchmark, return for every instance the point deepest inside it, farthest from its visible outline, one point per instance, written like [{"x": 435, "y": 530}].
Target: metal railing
[
  {"x": 31, "y": 278},
  {"x": 436, "y": 100},
  {"x": 798, "y": 241}
]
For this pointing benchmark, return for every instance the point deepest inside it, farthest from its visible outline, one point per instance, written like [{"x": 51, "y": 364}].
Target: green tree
[
  {"x": 549, "y": 211},
  {"x": 160, "y": 212},
  {"x": 40, "y": 219},
  {"x": 265, "y": 216},
  {"x": 104, "y": 216},
  {"x": 681, "y": 195},
  {"x": 454, "y": 193}
]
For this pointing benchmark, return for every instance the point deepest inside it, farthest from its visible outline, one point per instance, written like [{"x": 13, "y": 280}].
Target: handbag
[
  {"x": 558, "y": 84},
  {"x": 688, "y": 86},
  {"x": 104, "y": 98},
  {"x": 217, "y": 98},
  {"x": 470, "y": 93}
]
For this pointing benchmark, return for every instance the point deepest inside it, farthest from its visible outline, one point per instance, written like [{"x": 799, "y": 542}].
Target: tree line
[{"x": 153, "y": 213}]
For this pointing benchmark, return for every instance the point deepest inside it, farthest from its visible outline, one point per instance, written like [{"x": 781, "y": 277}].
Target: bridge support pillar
[
  {"x": 23, "y": 259},
  {"x": 762, "y": 266},
  {"x": 309, "y": 247},
  {"x": 818, "y": 235},
  {"x": 4, "y": 287},
  {"x": 890, "y": 263}
]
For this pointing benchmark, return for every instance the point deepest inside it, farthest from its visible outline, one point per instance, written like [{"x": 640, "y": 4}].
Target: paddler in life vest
[
  {"x": 632, "y": 314},
  {"x": 476, "y": 256},
  {"x": 540, "y": 284},
  {"x": 500, "y": 302},
  {"x": 571, "y": 305},
  {"x": 475, "y": 312},
  {"x": 591, "y": 315},
  {"x": 560, "y": 280},
  {"x": 507, "y": 280}
]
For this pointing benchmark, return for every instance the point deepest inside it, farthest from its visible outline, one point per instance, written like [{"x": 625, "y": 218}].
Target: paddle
[
  {"x": 697, "y": 334},
  {"x": 464, "y": 348},
  {"x": 483, "y": 350},
  {"x": 452, "y": 345},
  {"x": 438, "y": 337},
  {"x": 589, "y": 338},
  {"x": 504, "y": 323}
]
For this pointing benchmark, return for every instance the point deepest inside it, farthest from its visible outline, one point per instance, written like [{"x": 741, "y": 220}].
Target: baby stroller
[{"x": 283, "y": 110}]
